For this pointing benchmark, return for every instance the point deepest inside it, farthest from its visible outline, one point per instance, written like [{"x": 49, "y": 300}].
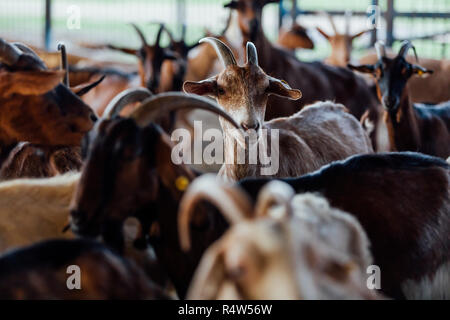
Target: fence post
[
  {"x": 390, "y": 13},
  {"x": 180, "y": 15},
  {"x": 294, "y": 11},
  {"x": 48, "y": 24},
  {"x": 373, "y": 33}
]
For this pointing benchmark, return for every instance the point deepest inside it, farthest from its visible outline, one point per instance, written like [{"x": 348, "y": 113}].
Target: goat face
[
  {"x": 295, "y": 37},
  {"x": 391, "y": 76},
  {"x": 35, "y": 107},
  {"x": 116, "y": 157},
  {"x": 242, "y": 91},
  {"x": 270, "y": 259},
  {"x": 151, "y": 59},
  {"x": 250, "y": 14}
]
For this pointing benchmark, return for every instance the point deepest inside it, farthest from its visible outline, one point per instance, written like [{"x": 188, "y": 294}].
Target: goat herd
[{"x": 88, "y": 179}]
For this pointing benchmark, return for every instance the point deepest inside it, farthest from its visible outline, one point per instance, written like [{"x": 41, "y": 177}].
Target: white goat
[{"x": 303, "y": 250}]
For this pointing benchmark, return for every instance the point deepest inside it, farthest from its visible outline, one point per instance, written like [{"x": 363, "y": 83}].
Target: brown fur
[
  {"x": 317, "y": 80},
  {"x": 433, "y": 89},
  {"x": 410, "y": 127},
  {"x": 40, "y": 272},
  {"x": 34, "y": 161},
  {"x": 317, "y": 135},
  {"x": 295, "y": 38}
]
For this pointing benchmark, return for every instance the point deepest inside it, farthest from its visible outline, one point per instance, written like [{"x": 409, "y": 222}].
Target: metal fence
[
  {"x": 44, "y": 22},
  {"x": 427, "y": 23}
]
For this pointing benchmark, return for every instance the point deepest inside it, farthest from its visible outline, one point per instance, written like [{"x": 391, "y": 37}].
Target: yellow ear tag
[{"x": 181, "y": 183}]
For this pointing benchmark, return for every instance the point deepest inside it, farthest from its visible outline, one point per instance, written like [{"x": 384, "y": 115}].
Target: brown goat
[
  {"x": 341, "y": 43},
  {"x": 295, "y": 37},
  {"x": 411, "y": 127},
  {"x": 35, "y": 106},
  {"x": 317, "y": 135},
  {"x": 433, "y": 89},
  {"x": 277, "y": 253},
  {"x": 402, "y": 200},
  {"x": 119, "y": 153},
  {"x": 41, "y": 272},
  {"x": 143, "y": 181},
  {"x": 318, "y": 81}
]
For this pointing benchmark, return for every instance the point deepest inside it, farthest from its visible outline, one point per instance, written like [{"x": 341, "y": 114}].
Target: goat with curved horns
[
  {"x": 277, "y": 249},
  {"x": 341, "y": 43},
  {"x": 317, "y": 135},
  {"x": 411, "y": 127},
  {"x": 318, "y": 80}
]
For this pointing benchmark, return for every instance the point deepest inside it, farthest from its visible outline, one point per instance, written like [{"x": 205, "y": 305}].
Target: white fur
[
  {"x": 32, "y": 210},
  {"x": 429, "y": 288}
]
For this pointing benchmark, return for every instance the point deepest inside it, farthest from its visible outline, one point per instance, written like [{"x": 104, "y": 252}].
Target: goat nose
[
  {"x": 247, "y": 127},
  {"x": 390, "y": 102},
  {"x": 93, "y": 117}
]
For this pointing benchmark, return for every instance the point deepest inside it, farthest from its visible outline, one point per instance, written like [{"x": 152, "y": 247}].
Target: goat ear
[
  {"x": 231, "y": 5},
  {"x": 210, "y": 274},
  {"x": 82, "y": 89},
  {"x": 282, "y": 89},
  {"x": 421, "y": 71},
  {"x": 365, "y": 68},
  {"x": 170, "y": 55},
  {"x": 29, "y": 82},
  {"x": 359, "y": 34},
  {"x": 323, "y": 33},
  {"x": 202, "y": 88}
]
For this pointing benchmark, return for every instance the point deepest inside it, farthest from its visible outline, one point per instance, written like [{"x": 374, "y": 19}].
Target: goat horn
[
  {"x": 330, "y": 18},
  {"x": 252, "y": 54},
  {"x": 171, "y": 101},
  {"x": 25, "y": 49},
  {"x": 9, "y": 54},
  {"x": 381, "y": 50},
  {"x": 222, "y": 50},
  {"x": 62, "y": 48},
  {"x": 233, "y": 203},
  {"x": 124, "y": 98},
  {"x": 140, "y": 34},
  {"x": 406, "y": 45},
  {"x": 158, "y": 35},
  {"x": 274, "y": 192}
]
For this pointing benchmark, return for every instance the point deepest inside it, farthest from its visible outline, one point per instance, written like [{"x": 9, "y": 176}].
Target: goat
[
  {"x": 319, "y": 81},
  {"x": 341, "y": 43},
  {"x": 294, "y": 38},
  {"x": 144, "y": 182},
  {"x": 35, "y": 107},
  {"x": 402, "y": 201},
  {"x": 32, "y": 160},
  {"x": 306, "y": 250},
  {"x": 433, "y": 89},
  {"x": 41, "y": 272},
  {"x": 318, "y": 134},
  {"x": 411, "y": 127},
  {"x": 38, "y": 209},
  {"x": 123, "y": 152}
]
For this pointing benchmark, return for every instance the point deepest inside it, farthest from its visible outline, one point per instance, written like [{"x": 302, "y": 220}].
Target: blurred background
[{"x": 43, "y": 23}]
